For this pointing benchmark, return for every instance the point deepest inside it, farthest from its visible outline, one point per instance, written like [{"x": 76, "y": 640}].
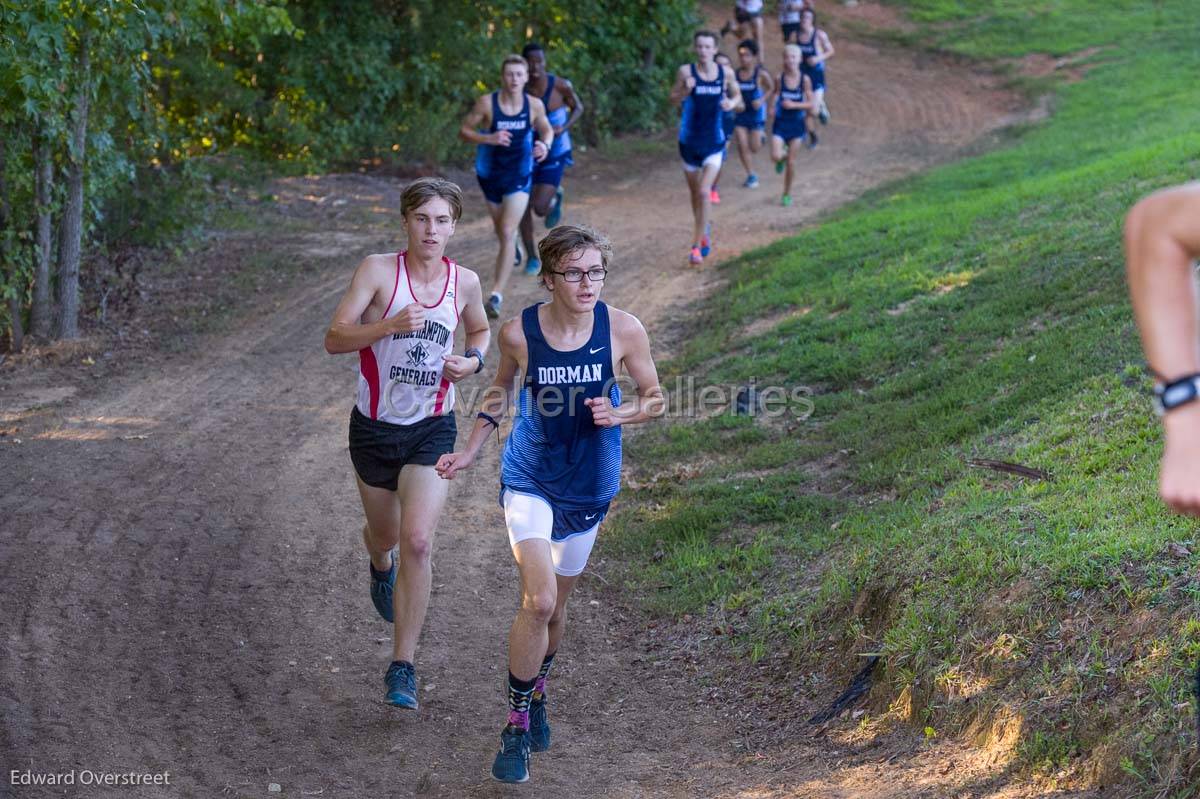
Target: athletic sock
[
  {"x": 519, "y": 694},
  {"x": 499, "y": 297},
  {"x": 539, "y": 686}
]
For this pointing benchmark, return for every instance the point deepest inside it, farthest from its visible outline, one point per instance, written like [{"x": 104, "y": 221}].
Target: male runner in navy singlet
[
  {"x": 503, "y": 124},
  {"x": 704, "y": 90},
  {"x": 399, "y": 315},
  {"x": 562, "y": 464},
  {"x": 563, "y": 109}
]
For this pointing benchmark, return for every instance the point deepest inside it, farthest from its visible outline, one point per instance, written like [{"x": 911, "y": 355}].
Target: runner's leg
[
  {"x": 527, "y": 231},
  {"x": 789, "y": 175},
  {"x": 529, "y": 637},
  {"x": 422, "y": 495},
  {"x": 558, "y": 621},
  {"x": 743, "y": 137},
  {"x": 382, "y": 530},
  {"x": 700, "y": 201},
  {"x": 542, "y": 198},
  {"x": 506, "y": 218}
]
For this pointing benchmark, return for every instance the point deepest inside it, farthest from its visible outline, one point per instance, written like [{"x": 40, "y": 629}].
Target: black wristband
[
  {"x": 1177, "y": 392},
  {"x": 487, "y": 417},
  {"x": 474, "y": 352}
]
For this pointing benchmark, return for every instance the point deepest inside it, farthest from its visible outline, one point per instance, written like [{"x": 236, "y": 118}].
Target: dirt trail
[{"x": 184, "y": 586}]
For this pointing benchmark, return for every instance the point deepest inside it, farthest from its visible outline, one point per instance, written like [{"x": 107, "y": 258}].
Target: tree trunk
[
  {"x": 42, "y": 315},
  {"x": 16, "y": 330},
  {"x": 71, "y": 241}
]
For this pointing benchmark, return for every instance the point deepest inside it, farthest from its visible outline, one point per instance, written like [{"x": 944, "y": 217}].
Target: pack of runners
[
  {"x": 561, "y": 364},
  {"x": 745, "y": 102}
]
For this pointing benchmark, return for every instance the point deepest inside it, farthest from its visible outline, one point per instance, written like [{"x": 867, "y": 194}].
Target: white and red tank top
[{"x": 400, "y": 376}]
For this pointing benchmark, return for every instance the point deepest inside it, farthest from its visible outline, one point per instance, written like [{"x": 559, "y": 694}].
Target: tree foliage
[{"x": 104, "y": 100}]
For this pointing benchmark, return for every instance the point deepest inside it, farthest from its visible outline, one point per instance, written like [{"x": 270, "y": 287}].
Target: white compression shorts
[
  {"x": 714, "y": 159},
  {"x": 529, "y": 517}
]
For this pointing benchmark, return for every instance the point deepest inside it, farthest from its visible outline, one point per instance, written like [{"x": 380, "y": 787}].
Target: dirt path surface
[{"x": 185, "y": 588}]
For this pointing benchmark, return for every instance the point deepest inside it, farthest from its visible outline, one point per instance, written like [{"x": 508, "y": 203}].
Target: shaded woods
[{"x": 114, "y": 111}]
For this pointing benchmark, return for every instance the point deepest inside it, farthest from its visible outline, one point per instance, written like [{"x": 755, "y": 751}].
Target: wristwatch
[
  {"x": 474, "y": 352},
  {"x": 1178, "y": 392}
]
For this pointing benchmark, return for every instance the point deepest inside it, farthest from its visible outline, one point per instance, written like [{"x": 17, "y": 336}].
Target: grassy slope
[{"x": 975, "y": 311}]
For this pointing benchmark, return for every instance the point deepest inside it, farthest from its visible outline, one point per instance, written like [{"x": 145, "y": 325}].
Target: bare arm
[
  {"x": 766, "y": 86},
  {"x": 1162, "y": 238},
  {"x": 497, "y": 399},
  {"x": 732, "y": 101},
  {"x": 480, "y": 116},
  {"x": 639, "y": 364},
  {"x": 824, "y": 49},
  {"x": 572, "y": 101},
  {"x": 808, "y": 104},
  {"x": 475, "y": 323},
  {"x": 541, "y": 124},
  {"x": 347, "y": 332},
  {"x": 684, "y": 83}
]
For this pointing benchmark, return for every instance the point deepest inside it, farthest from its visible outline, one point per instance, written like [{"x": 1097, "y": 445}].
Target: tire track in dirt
[{"x": 195, "y": 600}]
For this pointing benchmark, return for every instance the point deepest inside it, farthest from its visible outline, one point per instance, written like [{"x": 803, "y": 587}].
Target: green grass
[{"x": 978, "y": 310}]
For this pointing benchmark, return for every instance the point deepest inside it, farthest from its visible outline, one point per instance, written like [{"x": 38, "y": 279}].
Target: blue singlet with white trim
[{"x": 555, "y": 451}]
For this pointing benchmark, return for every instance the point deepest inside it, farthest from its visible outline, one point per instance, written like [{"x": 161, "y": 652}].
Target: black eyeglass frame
[{"x": 603, "y": 274}]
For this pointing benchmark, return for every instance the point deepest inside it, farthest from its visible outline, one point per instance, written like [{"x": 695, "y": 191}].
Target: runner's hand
[
  {"x": 1179, "y": 481},
  {"x": 728, "y": 104},
  {"x": 539, "y": 155},
  {"x": 689, "y": 83},
  {"x": 410, "y": 319},
  {"x": 501, "y": 138},
  {"x": 603, "y": 413},
  {"x": 456, "y": 367},
  {"x": 558, "y": 129},
  {"x": 756, "y": 104},
  {"x": 452, "y": 463}
]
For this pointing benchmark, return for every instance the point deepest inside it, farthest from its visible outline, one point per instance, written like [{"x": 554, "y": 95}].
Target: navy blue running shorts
[
  {"x": 379, "y": 450},
  {"x": 695, "y": 159},
  {"x": 497, "y": 188},
  {"x": 550, "y": 171},
  {"x": 788, "y": 130}
]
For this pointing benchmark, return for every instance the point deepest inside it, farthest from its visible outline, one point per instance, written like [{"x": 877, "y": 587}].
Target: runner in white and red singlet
[{"x": 399, "y": 315}]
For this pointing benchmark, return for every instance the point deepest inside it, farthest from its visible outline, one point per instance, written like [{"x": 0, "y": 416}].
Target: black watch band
[
  {"x": 1178, "y": 392},
  {"x": 474, "y": 352}
]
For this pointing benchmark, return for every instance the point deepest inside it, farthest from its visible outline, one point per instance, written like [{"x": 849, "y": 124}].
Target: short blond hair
[
  {"x": 513, "y": 58},
  {"x": 566, "y": 239},
  {"x": 422, "y": 190},
  {"x": 792, "y": 47}
]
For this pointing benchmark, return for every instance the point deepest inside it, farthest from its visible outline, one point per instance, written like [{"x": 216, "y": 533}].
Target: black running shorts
[{"x": 379, "y": 450}]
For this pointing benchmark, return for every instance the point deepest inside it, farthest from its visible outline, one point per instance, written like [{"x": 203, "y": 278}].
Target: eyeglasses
[{"x": 595, "y": 275}]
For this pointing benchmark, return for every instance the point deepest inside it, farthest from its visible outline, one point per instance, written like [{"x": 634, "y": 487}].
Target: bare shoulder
[
  {"x": 626, "y": 326},
  {"x": 512, "y": 336},
  {"x": 375, "y": 268},
  {"x": 467, "y": 278},
  {"x": 536, "y": 105}
]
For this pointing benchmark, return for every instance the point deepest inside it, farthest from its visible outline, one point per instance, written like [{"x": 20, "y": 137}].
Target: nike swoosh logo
[
  {"x": 589, "y": 518},
  {"x": 594, "y": 351}
]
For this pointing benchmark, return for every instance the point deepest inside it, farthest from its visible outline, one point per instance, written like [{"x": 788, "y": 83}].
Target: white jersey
[
  {"x": 750, "y": 6},
  {"x": 400, "y": 376}
]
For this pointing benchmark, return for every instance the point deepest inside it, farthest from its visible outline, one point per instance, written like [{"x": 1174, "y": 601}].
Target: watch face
[{"x": 1178, "y": 394}]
